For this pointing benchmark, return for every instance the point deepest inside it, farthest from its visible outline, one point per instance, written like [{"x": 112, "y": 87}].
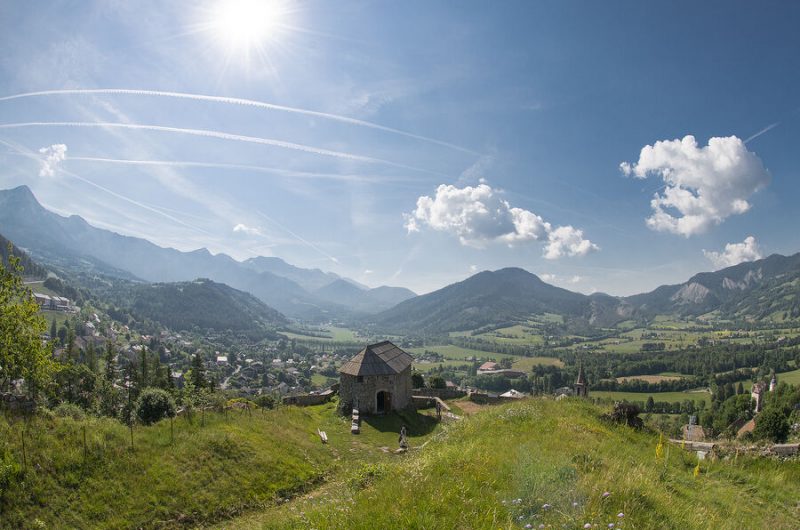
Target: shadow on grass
[{"x": 416, "y": 424}]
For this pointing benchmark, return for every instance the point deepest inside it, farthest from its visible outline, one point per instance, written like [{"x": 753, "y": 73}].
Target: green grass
[
  {"x": 233, "y": 464},
  {"x": 498, "y": 468},
  {"x": 672, "y": 397},
  {"x": 456, "y": 353}
]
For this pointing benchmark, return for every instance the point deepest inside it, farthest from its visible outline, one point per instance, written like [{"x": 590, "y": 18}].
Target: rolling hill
[{"x": 202, "y": 304}]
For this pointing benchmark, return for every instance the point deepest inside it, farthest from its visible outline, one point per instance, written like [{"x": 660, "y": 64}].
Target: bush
[
  {"x": 772, "y": 424},
  {"x": 265, "y": 400},
  {"x": 69, "y": 410},
  {"x": 154, "y": 404}
]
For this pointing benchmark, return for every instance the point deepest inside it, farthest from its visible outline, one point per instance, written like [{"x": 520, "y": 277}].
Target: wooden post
[
  {"x": 24, "y": 456},
  {"x": 131, "y": 428},
  {"x": 85, "y": 451}
]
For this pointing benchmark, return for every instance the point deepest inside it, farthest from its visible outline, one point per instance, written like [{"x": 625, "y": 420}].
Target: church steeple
[{"x": 581, "y": 385}]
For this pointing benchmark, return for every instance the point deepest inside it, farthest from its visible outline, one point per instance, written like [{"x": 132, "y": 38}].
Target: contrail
[
  {"x": 308, "y": 243},
  {"x": 216, "y": 134},
  {"x": 220, "y": 165},
  {"x": 30, "y": 154},
  {"x": 762, "y": 131},
  {"x": 239, "y": 101}
]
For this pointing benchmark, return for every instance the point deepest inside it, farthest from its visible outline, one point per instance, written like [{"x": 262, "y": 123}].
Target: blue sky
[{"x": 442, "y": 138}]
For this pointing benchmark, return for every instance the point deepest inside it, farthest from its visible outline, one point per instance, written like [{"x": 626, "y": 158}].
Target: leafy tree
[
  {"x": 198, "y": 372},
  {"x": 154, "y": 404},
  {"x": 53, "y": 328},
  {"x": 650, "y": 404},
  {"x": 23, "y": 355},
  {"x": 772, "y": 424},
  {"x": 437, "y": 382},
  {"x": 417, "y": 381}
]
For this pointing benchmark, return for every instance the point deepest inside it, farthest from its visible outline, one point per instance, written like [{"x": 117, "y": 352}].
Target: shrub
[
  {"x": 772, "y": 424},
  {"x": 69, "y": 410},
  {"x": 265, "y": 400},
  {"x": 154, "y": 404}
]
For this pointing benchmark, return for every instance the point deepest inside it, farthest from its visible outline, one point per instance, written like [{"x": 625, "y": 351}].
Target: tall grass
[
  {"x": 555, "y": 464},
  {"x": 210, "y": 471}
]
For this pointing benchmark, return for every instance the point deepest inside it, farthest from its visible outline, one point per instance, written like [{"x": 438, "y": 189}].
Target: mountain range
[
  {"x": 768, "y": 288},
  {"x": 70, "y": 242}
]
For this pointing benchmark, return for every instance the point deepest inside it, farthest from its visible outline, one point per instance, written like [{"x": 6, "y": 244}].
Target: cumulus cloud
[
  {"x": 51, "y": 158},
  {"x": 703, "y": 186},
  {"x": 554, "y": 278},
  {"x": 567, "y": 241},
  {"x": 249, "y": 230},
  {"x": 735, "y": 253},
  {"x": 479, "y": 215}
]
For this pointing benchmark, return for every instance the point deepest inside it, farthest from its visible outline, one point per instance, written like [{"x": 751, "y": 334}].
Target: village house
[{"x": 377, "y": 380}]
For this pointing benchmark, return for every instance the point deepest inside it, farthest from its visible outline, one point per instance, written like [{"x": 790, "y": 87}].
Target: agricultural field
[
  {"x": 455, "y": 355},
  {"x": 325, "y": 334},
  {"x": 671, "y": 397}
]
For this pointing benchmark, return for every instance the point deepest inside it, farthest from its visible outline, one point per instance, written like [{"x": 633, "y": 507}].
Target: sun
[{"x": 247, "y": 25}]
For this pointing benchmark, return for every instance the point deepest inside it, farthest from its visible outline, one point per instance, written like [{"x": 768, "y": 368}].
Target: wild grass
[
  {"x": 230, "y": 464},
  {"x": 556, "y": 464}
]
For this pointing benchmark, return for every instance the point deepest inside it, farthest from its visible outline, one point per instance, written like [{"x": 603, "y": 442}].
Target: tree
[
  {"x": 23, "y": 355},
  {"x": 198, "y": 372},
  {"x": 772, "y": 424},
  {"x": 53, "y": 329},
  {"x": 417, "y": 381},
  {"x": 154, "y": 404},
  {"x": 437, "y": 382},
  {"x": 650, "y": 404}
]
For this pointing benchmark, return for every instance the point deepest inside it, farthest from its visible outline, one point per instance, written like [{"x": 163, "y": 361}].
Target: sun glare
[{"x": 243, "y": 25}]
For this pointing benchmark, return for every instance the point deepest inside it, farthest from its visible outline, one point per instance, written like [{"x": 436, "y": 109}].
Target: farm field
[
  {"x": 671, "y": 397},
  {"x": 456, "y": 353},
  {"x": 326, "y": 334}
]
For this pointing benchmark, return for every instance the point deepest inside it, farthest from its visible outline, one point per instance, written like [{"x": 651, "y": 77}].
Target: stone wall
[
  {"x": 306, "y": 400},
  {"x": 364, "y": 394},
  {"x": 441, "y": 393}
]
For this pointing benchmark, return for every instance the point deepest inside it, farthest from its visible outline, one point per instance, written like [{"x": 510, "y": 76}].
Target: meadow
[{"x": 555, "y": 464}]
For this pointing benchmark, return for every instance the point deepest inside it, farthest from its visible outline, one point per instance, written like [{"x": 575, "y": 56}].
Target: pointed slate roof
[
  {"x": 383, "y": 358},
  {"x": 581, "y": 376}
]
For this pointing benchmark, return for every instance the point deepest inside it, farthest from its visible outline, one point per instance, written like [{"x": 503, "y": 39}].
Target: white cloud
[
  {"x": 368, "y": 271},
  {"x": 249, "y": 230},
  {"x": 473, "y": 268},
  {"x": 51, "y": 158},
  {"x": 567, "y": 241},
  {"x": 735, "y": 253},
  {"x": 554, "y": 278},
  {"x": 479, "y": 215},
  {"x": 703, "y": 185}
]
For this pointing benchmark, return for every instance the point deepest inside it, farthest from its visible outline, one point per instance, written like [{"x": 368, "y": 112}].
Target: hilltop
[{"x": 497, "y": 468}]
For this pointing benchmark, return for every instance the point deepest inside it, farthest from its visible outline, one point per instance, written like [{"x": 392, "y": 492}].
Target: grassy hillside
[
  {"x": 212, "y": 471},
  {"x": 216, "y": 468},
  {"x": 542, "y": 462}
]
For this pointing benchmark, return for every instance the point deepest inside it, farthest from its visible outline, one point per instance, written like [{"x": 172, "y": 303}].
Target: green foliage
[
  {"x": 22, "y": 353},
  {"x": 69, "y": 410},
  {"x": 417, "y": 381},
  {"x": 437, "y": 382},
  {"x": 154, "y": 404},
  {"x": 772, "y": 424}
]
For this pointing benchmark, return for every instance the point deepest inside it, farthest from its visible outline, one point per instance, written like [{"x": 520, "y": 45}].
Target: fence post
[
  {"x": 24, "y": 455},
  {"x": 85, "y": 452}
]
